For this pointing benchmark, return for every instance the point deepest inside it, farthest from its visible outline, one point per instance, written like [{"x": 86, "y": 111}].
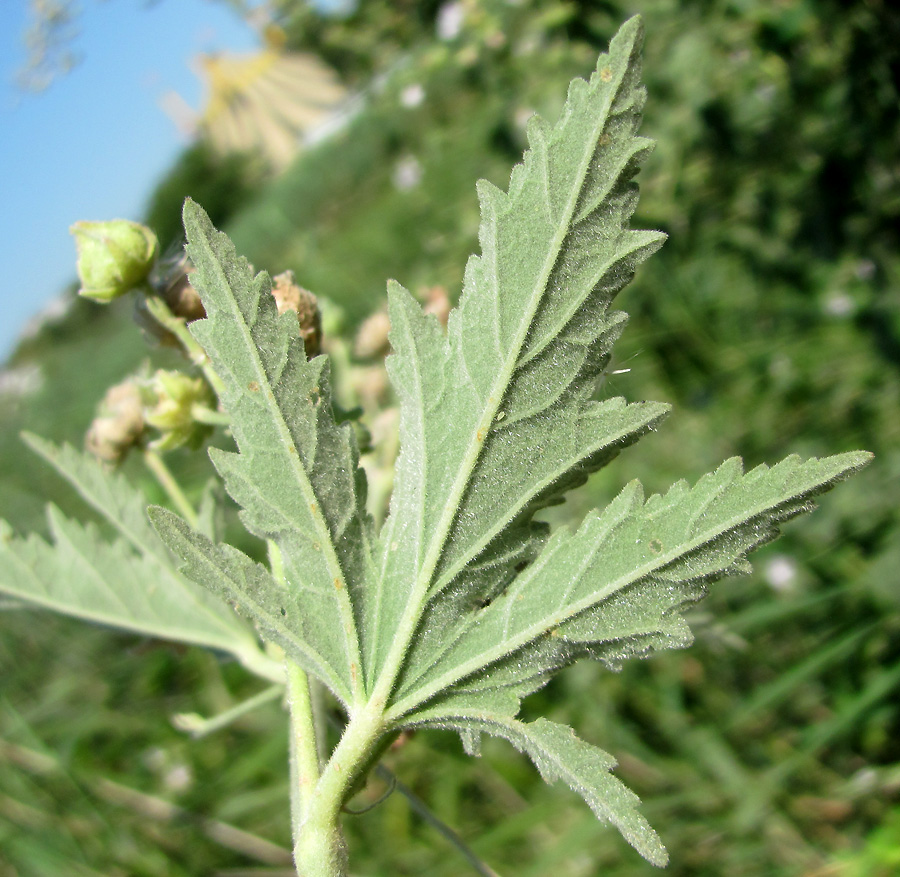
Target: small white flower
[
  {"x": 407, "y": 173},
  {"x": 412, "y": 95},
  {"x": 781, "y": 573},
  {"x": 450, "y": 20},
  {"x": 21, "y": 381},
  {"x": 839, "y": 304},
  {"x": 178, "y": 778}
]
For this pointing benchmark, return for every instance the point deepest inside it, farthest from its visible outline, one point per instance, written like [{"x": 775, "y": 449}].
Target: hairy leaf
[
  {"x": 611, "y": 589},
  {"x": 560, "y": 755},
  {"x": 296, "y": 473},
  {"x": 82, "y": 575},
  {"x": 111, "y": 496},
  {"x": 231, "y": 574},
  {"x": 129, "y": 583},
  {"x": 497, "y": 419},
  {"x": 464, "y": 604}
]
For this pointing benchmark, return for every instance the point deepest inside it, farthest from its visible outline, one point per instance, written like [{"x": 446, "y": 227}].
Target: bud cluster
[
  {"x": 174, "y": 405},
  {"x": 168, "y": 409}
]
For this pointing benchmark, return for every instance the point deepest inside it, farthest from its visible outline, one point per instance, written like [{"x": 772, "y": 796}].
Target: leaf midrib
[
  {"x": 295, "y": 465},
  {"x": 559, "y": 617},
  {"x": 153, "y": 551},
  {"x": 411, "y": 616}
]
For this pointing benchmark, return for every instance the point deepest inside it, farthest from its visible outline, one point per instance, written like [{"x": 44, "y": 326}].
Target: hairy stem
[
  {"x": 319, "y": 851},
  {"x": 170, "y": 485},
  {"x": 160, "y": 312},
  {"x": 304, "y": 751}
]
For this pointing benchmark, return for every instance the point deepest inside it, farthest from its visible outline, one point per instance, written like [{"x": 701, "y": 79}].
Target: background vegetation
[{"x": 771, "y": 320}]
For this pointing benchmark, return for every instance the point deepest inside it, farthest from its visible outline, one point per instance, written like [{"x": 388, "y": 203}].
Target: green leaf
[
  {"x": 465, "y": 604},
  {"x": 612, "y": 589},
  {"x": 296, "y": 474},
  {"x": 111, "y": 496},
  {"x": 234, "y": 576},
  {"x": 497, "y": 419},
  {"x": 82, "y": 575},
  {"x": 130, "y": 583},
  {"x": 560, "y": 755}
]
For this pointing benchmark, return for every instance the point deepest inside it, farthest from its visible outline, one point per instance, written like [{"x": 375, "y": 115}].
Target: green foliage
[
  {"x": 786, "y": 700},
  {"x": 465, "y": 606},
  {"x": 129, "y": 582}
]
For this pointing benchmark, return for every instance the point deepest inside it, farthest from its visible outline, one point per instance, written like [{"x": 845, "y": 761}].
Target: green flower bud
[
  {"x": 172, "y": 401},
  {"x": 113, "y": 257},
  {"x": 119, "y": 424}
]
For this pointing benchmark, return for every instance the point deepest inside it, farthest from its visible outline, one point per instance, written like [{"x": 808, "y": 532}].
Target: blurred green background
[{"x": 770, "y": 320}]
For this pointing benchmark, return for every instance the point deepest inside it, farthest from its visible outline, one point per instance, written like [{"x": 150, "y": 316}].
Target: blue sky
[{"x": 93, "y": 145}]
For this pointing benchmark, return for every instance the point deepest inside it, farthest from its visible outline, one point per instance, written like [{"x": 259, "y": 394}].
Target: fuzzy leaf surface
[
  {"x": 295, "y": 475},
  {"x": 83, "y": 575},
  {"x": 560, "y": 755},
  {"x": 132, "y": 582},
  {"x": 110, "y": 494},
  {"x": 612, "y": 589},
  {"x": 231, "y": 574},
  {"x": 465, "y": 605},
  {"x": 497, "y": 417}
]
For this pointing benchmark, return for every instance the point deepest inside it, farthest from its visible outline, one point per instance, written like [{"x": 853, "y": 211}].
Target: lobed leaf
[
  {"x": 497, "y": 418},
  {"x": 108, "y": 493},
  {"x": 612, "y": 589},
  {"x": 250, "y": 586},
  {"x": 560, "y": 755},
  {"x": 296, "y": 473},
  {"x": 465, "y": 604},
  {"x": 82, "y": 575}
]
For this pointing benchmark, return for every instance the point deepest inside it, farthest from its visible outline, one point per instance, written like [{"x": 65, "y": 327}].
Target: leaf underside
[
  {"x": 463, "y": 605},
  {"x": 130, "y": 582}
]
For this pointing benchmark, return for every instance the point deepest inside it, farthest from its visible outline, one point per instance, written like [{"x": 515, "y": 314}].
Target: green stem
[
  {"x": 304, "y": 734},
  {"x": 172, "y": 488},
  {"x": 319, "y": 849},
  {"x": 160, "y": 312},
  {"x": 304, "y": 757},
  {"x": 202, "y": 414},
  {"x": 198, "y": 726}
]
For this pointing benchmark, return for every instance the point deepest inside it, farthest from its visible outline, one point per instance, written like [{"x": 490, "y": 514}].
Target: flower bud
[
  {"x": 372, "y": 338},
  {"x": 289, "y": 296},
  {"x": 119, "y": 424},
  {"x": 182, "y": 298},
  {"x": 113, "y": 257},
  {"x": 171, "y": 399}
]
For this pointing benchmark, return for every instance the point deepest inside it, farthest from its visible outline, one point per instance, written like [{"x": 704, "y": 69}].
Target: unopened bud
[
  {"x": 119, "y": 424},
  {"x": 172, "y": 400},
  {"x": 372, "y": 337},
  {"x": 437, "y": 302},
  {"x": 182, "y": 299},
  {"x": 113, "y": 257},
  {"x": 290, "y": 296}
]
